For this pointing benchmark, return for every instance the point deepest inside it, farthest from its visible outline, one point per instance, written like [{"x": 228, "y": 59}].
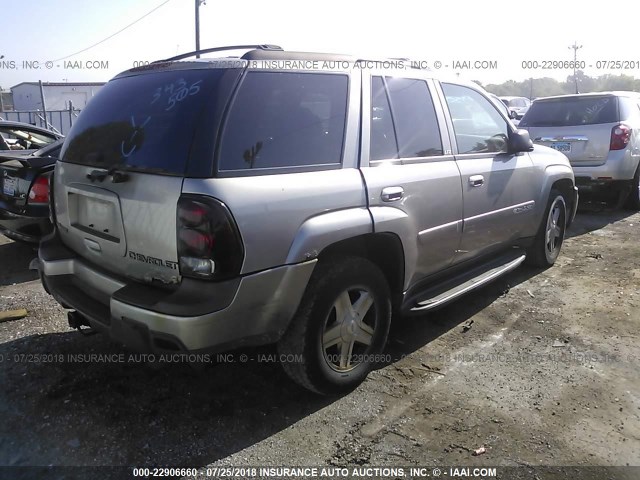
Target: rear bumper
[
  {"x": 197, "y": 316},
  {"x": 23, "y": 228},
  {"x": 619, "y": 166}
]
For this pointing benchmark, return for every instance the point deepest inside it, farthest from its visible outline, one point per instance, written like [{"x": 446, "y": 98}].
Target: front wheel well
[
  {"x": 382, "y": 249},
  {"x": 565, "y": 187}
]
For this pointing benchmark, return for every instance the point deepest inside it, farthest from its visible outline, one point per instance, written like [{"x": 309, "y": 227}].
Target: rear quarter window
[
  {"x": 285, "y": 120},
  {"x": 573, "y": 111},
  {"x": 628, "y": 109}
]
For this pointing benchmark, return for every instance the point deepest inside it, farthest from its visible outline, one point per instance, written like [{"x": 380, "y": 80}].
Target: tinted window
[
  {"x": 145, "y": 121},
  {"x": 563, "y": 112},
  {"x": 478, "y": 126},
  {"x": 415, "y": 118},
  {"x": 285, "y": 120},
  {"x": 383, "y": 143},
  {"x": 411, "y": 115}
]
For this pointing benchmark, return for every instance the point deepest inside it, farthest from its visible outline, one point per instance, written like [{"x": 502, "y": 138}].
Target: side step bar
[{"x": 445, "y": 292}]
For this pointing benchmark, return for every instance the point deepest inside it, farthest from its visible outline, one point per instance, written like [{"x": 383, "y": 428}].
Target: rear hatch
[
  {"x": 578, "y": 126},
  {"x": 123, "y": 164}
]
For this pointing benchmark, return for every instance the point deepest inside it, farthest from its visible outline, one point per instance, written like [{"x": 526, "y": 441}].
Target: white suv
[{"x": 600, "y": 133}]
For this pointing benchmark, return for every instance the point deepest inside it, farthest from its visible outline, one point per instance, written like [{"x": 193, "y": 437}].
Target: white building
[{"x": 27, "y": 97}]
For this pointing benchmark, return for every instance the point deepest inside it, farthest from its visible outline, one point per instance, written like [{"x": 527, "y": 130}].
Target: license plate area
[
  {"x": 564, "y": 147},
  {"x": 9, "y": 185},
  {"x": 96, "y": 216}
]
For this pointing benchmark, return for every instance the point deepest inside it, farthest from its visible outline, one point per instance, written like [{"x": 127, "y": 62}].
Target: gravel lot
[{"x": 547, "y": 374}]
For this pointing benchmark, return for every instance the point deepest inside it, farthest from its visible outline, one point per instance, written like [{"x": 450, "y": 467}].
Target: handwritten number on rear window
[
  {"x": 177, "y": 91},
  {"x": 183, "y": 92}
]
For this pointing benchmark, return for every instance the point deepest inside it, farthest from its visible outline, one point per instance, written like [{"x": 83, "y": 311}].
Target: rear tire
[
  {"x": 548, "y": 242},
  {"x": 340, "y": 329},
  {"x": 633, "y": 200}
]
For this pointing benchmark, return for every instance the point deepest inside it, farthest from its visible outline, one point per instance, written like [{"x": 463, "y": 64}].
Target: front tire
[
  {"x": 341, "y": 326},
  {"x": 548, "y": 242}
]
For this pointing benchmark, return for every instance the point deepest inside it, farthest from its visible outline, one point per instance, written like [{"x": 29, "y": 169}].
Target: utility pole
[
  {"x": 575, "y": 47},
  {"x": 198, "y": 3}
]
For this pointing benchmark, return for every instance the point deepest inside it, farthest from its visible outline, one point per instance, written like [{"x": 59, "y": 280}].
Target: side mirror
[{"x": 519, "y": 141}]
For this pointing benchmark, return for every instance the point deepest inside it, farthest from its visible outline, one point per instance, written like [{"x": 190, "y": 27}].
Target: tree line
[{"x": 544, "y": 87}]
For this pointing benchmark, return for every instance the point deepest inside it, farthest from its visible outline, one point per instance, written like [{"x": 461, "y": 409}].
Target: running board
[{"x": 451, "y": 289}]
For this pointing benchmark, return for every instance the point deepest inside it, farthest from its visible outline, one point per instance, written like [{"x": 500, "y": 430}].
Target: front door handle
[
  {"x": 92, "y": 245},
  {"x": 476, "y": 180},
  {"x": 392, "y": 194}
]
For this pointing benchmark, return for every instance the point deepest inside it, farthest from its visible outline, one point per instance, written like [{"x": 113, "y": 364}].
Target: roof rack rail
[{"x": 221, "y": 49}]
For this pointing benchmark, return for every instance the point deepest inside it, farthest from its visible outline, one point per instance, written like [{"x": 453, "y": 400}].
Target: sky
[{"x": 490, "y": 40}]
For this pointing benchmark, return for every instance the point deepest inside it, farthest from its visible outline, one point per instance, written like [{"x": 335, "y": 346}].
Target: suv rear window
[
  {"x": 566, "y": 112},
  {"x": 283, "y": 119},
  {"x": 145, "y": 122}
]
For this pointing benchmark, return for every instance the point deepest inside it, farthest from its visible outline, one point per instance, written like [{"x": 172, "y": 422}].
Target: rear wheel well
[
  {"x": 565, "y": 186},
  {"x": 382, "y": 249}
]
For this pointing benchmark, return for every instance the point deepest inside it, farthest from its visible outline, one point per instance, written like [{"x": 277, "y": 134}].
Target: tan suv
[{"x": 207, "y": 204}]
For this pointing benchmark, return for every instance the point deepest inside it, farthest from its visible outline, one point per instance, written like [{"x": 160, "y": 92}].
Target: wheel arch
[
  {"x": 567, "y": 188},
  {"x": 382, "y": 249},
  {"x": 561, "y": 178}
]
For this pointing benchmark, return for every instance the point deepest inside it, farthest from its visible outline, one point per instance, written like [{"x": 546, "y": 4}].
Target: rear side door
[
  {"x": 497, "y": 187},
  {"x": 412, "y": 179}
]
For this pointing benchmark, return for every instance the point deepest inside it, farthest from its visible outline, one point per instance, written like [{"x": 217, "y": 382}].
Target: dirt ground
[{"x": 539, "y": 368}]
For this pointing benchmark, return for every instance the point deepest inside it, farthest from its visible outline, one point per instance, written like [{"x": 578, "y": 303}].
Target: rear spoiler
[{"x": 27, "y": 160}]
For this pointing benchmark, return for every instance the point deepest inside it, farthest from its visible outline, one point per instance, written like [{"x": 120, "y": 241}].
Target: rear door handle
[
  {"x": 392, "y": 194},
  {"x": 476, "y": 180}
]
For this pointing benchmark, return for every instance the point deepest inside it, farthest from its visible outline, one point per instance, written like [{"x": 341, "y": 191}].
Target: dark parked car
[
  {"x": 24, "y": 138},
  {"x": 24, "y": 193}
]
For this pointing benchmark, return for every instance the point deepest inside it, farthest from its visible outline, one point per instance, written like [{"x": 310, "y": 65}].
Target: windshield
[
  {"x": 565, "y": 112},
  {"x": 145, "y": 122}
]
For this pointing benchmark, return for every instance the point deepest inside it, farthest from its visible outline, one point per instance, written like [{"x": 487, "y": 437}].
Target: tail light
[
  {"x": 39, "y": 191},
  {"x": 209, "y": 244},
  {"x": 620, "y": 136}
]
